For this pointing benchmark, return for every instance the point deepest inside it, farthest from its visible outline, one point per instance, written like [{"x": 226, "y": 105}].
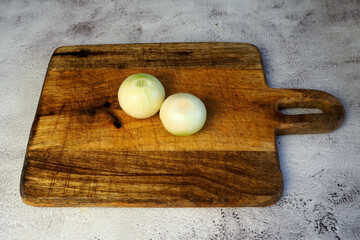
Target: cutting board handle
[{"x": 331, "y": 118}]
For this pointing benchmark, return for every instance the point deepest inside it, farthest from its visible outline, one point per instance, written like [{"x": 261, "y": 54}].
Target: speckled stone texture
[{"x": 305, "y": 44}]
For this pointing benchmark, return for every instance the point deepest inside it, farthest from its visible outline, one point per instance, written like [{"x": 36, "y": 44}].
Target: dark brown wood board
[{"x": 85, "y": 151}]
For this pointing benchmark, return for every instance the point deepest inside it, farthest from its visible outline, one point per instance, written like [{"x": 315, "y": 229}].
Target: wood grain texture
[{"x": 85, "y": 151}]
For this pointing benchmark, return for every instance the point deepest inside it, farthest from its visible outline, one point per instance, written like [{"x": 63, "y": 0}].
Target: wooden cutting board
[{"x": 85, "y": 151}]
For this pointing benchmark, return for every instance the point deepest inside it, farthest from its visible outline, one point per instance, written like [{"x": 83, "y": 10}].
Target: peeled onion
[
  {"x": 183, "y": 114},
  {"x": 141, "y": 95}
]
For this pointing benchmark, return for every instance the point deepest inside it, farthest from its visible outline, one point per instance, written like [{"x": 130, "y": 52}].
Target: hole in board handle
[{"x": 298, "y": 111}]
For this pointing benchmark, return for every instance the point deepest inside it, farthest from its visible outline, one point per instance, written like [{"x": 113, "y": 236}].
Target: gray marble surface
[{"x": 305, "y": 44}]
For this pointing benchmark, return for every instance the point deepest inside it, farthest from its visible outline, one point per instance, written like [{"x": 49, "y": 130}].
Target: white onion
[
  {"x": 141, "y": 95},
  {"x": 183, "y": 114}
]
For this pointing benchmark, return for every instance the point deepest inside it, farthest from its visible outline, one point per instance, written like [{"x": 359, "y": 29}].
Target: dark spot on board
[
  {"x": 82, "y": 53},
  {"x": 115, "y": 118},
  {"x": 90, "y": 112},
  {"x": 184, "y": 53},
  {"x": 216, "y": 13},
  {"x": 107, "y": 104},
  {"x": 83, "y": 28},
  {"x": 117, "y": 125},
  {"x": 120, "y": 65},
  {"x": 51, "y": 113}
]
